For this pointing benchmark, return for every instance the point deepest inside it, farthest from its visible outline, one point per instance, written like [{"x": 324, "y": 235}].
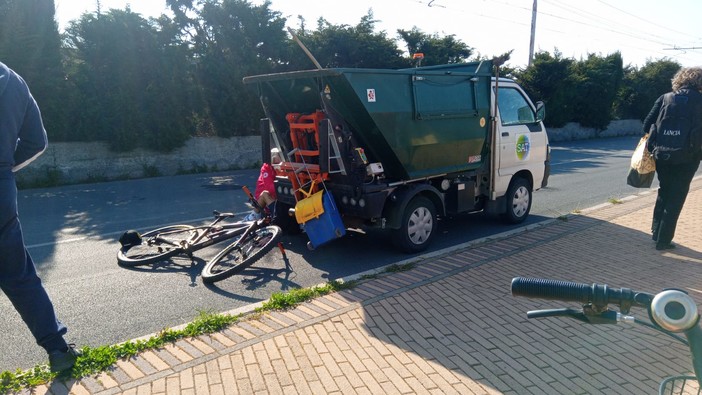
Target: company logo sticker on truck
[
  {"x": 371, "y": 95},
  {"x": 523, "y": 145}
]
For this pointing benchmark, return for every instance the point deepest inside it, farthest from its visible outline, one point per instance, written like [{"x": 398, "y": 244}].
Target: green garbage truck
[{"x": 394, "y": 149}]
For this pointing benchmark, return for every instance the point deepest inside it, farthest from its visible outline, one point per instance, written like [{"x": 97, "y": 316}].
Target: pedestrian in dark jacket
[
  {"x": 22, "y": 139},
  {"x": 674, "y": 176}
]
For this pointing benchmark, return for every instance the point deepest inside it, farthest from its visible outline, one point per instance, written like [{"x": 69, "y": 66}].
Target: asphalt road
[
  {"x": 72, "y": 234},
  {"x": 586, "y": 173}
]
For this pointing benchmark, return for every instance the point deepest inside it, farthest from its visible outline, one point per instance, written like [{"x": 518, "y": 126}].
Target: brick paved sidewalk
[{"x": 449, "y": 325}]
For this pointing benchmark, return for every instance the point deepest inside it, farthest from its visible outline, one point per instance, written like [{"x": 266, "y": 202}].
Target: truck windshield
[{"x": 514, "y": 108}]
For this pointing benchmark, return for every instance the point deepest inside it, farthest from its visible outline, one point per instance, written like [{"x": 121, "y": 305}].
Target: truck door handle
[{"x": 505, "y": 134}]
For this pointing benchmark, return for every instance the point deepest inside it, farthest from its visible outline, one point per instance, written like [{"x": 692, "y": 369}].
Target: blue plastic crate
[{"x": 328, "y": 226}]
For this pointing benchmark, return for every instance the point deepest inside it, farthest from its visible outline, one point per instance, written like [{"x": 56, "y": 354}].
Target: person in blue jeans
[{"x": 22, "y": 139}]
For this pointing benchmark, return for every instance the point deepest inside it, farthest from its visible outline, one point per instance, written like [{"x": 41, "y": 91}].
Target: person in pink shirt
[{"x": 265, "y": 189}]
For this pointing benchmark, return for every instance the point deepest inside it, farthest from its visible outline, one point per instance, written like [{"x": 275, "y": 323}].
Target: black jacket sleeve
[
  {"x": 650, "y": 120},
  {"x": 652, "y": 115}
]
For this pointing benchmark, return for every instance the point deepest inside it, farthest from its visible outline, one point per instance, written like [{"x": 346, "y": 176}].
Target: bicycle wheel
[
  {"x": 156, "y": 245},
  {"x": 241, "y": 254}
]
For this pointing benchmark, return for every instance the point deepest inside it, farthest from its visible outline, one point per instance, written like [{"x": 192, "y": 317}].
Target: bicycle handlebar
[
  {"x": 600, "y": 295},
  {"x": 251, "y": 197},
  {"x": 247, "y": 191},
  {"x": 673, "y": 311}
]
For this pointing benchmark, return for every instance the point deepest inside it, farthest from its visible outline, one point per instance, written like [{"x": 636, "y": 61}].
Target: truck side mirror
[{"x": 540, "y": 111}]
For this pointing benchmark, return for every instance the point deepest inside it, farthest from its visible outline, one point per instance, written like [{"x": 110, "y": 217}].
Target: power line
[
  {"x": 606, "y": 25},
  {"x": 472, "y": 11},
  {"x": 682, "y": 49},
  {"x": 645, "y": 36},
  {"x": 588, "y": 15},
  {"x": 639, "y": 18},
  {"x": 582, "y": 17},
  {"x": 636, "y": 32}
]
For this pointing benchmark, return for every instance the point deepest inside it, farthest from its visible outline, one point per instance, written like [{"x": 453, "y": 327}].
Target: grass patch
[
  {"x": 99, "y": 359},
  {"x": 395, "y": 268},
  {"x": 95, "y": 179},
  {"x": 287, "y": 300},
  {"x": 96, "y": 360},
  {"x": 399, "y": 268},
  {"x": 150, "y": 171},
  {"x": 52, "y": 177},
  {"x": 614, "y": 201},
  {"x": 197, "y": 169}
]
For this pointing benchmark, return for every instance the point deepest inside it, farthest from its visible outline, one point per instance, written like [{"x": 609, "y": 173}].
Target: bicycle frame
[
  {"x": 209, "y": 230},
  {"x": 169, "y": 241},
  {"x": 195, "y": 242}
]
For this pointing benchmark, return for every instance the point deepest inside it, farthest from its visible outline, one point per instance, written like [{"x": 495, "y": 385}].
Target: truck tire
[
  {"x": 518, "y": 201},
  {"x": 418, "y": 226}
]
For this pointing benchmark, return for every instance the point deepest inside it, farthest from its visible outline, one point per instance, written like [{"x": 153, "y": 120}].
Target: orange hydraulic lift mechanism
[{"x": 303, "y": 170}]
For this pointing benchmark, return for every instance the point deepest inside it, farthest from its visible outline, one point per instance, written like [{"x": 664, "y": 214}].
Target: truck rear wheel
[
  {"x": 518, "y": 201},
  {"x": 418, "y": 226}
]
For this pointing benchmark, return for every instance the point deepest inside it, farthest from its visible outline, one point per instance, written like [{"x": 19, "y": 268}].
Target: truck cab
[{"x": 523, "y": 157}]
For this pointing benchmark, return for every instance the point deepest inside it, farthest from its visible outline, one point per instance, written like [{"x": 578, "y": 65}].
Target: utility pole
[{"x": 533, "y": 33}]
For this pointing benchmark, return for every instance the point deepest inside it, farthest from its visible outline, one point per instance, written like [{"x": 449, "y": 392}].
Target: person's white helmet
[{"x": 275, "y": 156}]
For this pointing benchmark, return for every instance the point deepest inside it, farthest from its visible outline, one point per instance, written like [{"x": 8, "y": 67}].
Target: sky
[{"x": 642, "y": 30}]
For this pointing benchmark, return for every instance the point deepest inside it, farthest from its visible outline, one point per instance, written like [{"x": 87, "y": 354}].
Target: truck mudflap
[
  {"x": 496, "y": 207},
  {"x": 547, "y": 173},
  {"x": 547, "y": 167}
]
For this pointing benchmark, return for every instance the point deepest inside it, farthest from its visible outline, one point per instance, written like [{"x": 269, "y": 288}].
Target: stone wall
[
  {"x": 66, "y": 163},
  {"x": 573, "y": 131}
]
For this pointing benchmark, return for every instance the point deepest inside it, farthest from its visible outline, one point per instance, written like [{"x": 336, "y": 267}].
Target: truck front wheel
[
  {"x": 417, "y": 227},
  {"x": 518, "y": 201}
]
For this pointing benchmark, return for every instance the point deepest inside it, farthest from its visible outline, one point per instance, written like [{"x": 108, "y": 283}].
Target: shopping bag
[{"x": 643, "y": 166}]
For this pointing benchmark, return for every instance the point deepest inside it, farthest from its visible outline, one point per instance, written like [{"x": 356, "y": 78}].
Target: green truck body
[{"x": 420, "y": 121}]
